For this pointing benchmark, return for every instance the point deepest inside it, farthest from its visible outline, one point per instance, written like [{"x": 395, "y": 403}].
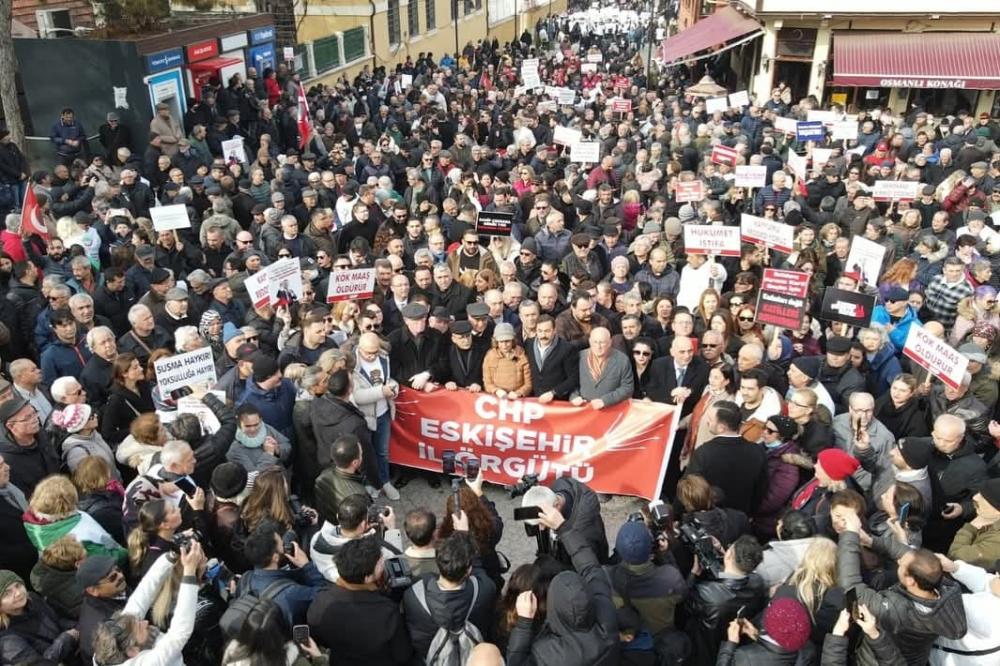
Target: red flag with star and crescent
[
  {"x": 31, "y": 214},
  {"x": 305, "y": 123}
]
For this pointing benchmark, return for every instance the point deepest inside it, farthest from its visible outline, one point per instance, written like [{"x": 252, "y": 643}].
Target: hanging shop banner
[
  {"x": 620, "y": 450},
  {"x": 935, "y": 355},
  {"x": 849, "y": 307},
  {"x": 782, "y": 299}
]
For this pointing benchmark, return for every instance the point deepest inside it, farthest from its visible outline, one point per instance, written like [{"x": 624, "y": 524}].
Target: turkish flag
[
  {"x": 31, "y": 214},
  {"x": 305, "y": 123}
]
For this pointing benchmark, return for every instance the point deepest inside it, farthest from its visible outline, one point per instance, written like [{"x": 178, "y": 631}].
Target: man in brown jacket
[{"x": 164, "y": 128}]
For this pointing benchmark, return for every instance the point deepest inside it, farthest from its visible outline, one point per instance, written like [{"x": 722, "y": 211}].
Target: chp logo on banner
[
  {"x": 772, "y": 233},
  {"x": 691, "y": 191},
  {"x": 849, "y": 307},
  {"x": 712, "y": 239},
  {"x": 724, "y": 155},
  {"x": 935, "y": 355},
  {"x": 357, "y": 283},
  {"x": 782, "y": 298},
  {"x": 622, "y": 449}
]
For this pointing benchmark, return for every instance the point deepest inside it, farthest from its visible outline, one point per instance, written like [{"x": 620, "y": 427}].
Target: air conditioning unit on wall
[{"x": 54, "y": 23}]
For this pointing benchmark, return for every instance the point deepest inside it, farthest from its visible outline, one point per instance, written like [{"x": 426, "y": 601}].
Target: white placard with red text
[
  {"x": 691, "y": 191},
  {"x": 935, "y": 355},
  {"x": 712, "y": 239},
  {"x": 772, "y": 233},
  {"x": 349, "y": 285},
  {"x": 748, "y": 175},
  {"x": 256, "y": 285},
  {"x": 896, "y": 190}
]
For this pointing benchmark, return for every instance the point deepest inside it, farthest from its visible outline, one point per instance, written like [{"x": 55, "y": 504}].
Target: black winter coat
[
  {"x": 36, "y": 637},
  {"x": 713, "y": 604}
]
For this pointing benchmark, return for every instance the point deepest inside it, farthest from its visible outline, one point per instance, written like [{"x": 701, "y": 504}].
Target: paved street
[{"x": 514, "y": 544}]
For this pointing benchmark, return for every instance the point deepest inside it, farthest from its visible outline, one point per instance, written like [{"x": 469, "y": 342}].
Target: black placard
[
  {"x": 494, "y": 222},
  {"x": 848, "y": 307}
]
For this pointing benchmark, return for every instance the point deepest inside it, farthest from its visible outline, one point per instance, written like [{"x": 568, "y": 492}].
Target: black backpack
[{"x": 234, "y": 617}]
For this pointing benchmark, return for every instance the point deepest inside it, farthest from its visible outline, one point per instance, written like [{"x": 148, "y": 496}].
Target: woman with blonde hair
[
  {"x": 814, "y": 584},
  {"x": 975, "y": 310},
  {"x": 146, "y": 439},
  {"x": 506, "y": 372},
  {"x": 270, "y": 500},
  {"x": 53, "y": 513},
  {"x": 881, "y": 357}
]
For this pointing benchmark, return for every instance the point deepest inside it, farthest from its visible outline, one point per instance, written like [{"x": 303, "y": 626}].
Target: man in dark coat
[
  {"x": 449, "y": 293},
  {"x": 334, "y": 415},
  {"x": 730, "y": 463},
  {"x": 837, "y": 374},
  {"x": 25, "y": 446},
  {"x": 554, "y": 362},
  {"x": 16, "y": 552},
  {"x": 680, "y": 378},
  {"x": 462, "y": 366}
]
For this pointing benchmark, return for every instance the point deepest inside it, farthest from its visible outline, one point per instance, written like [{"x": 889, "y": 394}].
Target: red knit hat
[
  {"x": 787, "y": 624},
  {"x": 838, "y": 464}
]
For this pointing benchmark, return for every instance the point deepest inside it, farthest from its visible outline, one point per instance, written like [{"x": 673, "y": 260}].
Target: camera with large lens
[
  {"x": 696, "y": 537},
  {"x": 182, "y": 540},
  {"x": 527, "y": 481},
  {"x": 302, "y": 517},
  {"x": 398, "y": 574}
]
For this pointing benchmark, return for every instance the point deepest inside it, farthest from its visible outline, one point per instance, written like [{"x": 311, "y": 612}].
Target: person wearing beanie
[
  {"x": 922, "y": 606},
  {"x": 230, "y": 486},
  {"x": 978, "y": 541},
  {"x": 270, "y": 393},
  {"x": 84, "y": 439},
  {"x": 779, "y": 438},
  {"x": 649, "y": 585},
  {"x": 31, "y": 631},
  {"x": 833, "y": 471},
  {"x": 786, "y": 628}
]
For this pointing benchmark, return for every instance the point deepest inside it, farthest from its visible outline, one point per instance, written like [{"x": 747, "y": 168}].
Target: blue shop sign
[
  {"x": 157, "y": 62},
  {"x": 262, "y": 35},
  {"x": 261, "y": 56}
]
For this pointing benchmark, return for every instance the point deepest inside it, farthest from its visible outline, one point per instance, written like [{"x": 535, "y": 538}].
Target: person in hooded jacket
[
  {"x": 921, "y": 607},
  {"x": 782, "y": 557},
  {"x": 582, "y": 510},
  {"x": 581, "y": 625},
  {"x": 783, "y": 477}
]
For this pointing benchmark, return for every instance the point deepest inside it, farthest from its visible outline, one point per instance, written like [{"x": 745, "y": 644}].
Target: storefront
[
  {"x": 261, "y": 53},
  {"x": 940, "y": 72},
  {"x": 234, "y": 46},
  {"x": 206, "y": 66}
]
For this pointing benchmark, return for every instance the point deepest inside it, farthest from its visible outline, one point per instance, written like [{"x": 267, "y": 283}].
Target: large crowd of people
[{"x": 828, "y": 500}]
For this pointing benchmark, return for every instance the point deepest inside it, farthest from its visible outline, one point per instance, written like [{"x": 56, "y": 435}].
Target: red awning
[
  {"x": 924, "y": 60},
  {"x": 214, "y": 64},
  {"x": 718, "y": 28}
]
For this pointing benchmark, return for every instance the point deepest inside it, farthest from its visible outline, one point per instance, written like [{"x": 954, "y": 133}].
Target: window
[
  {"x": 413, "y": 17},
  {"x": 393, "y": 17},
  {"x": 429, "y": 15},
  {"x": 479, "y": 4},
  {"x": 500, "y": 10},
  {"x": 469, "y": 7},
  {"x": 326, "y": 52},
  {"x": 354, "y": 44}
]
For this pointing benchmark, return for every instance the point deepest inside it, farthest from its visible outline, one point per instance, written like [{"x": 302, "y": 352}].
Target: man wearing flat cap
[
  {"x": 463, "y": 366},
  {"x": 104, "y": 594},
  {"x": 415, "y": 349}
]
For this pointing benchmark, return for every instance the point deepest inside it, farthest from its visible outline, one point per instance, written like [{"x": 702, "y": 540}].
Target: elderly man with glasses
[{"x": 25, "y": 446}]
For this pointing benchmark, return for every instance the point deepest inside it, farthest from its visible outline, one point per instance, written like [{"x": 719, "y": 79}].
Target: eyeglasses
[
  {"x": 709, "y": 345},
  {"x": 639, "y": 352},
  {"x": 735, "y": 304},
  {"x": 746, "y": 318},
  {"x": 473, "y": 242}
]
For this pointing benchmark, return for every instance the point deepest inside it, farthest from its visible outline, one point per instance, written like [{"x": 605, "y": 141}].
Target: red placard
[
  {"x": 622, "y": 449},
  {"x": 782, "y": 298},
  {"x": 621, "y": 105},
  {"x": 724, "y": 155},
  {"x": 202, "y": 50},
  {"x": 689, "y": 192}
]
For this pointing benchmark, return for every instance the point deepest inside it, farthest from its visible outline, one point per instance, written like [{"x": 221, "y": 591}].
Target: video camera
[
  {"x": 527, "y": 482},
  {"x": 302, "y": 516},
  {"x": 398, "y": 574},
  {"x": 696, "y": 537},
  {"x": 451, "y": 460}
]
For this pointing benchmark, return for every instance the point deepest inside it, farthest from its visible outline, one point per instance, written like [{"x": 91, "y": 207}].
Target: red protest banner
[
  {"x": 622, "y": 449},
  {"x": 619, "y": 105},
  {"x": 724, "y": 155},
  {"x": 690, "y": 191},
  {"x": 781, "y": 300}
]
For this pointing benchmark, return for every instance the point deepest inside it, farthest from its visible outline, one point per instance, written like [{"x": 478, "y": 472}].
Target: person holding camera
[
  {"x": 353, "y": 618},
  {"x": 269, "y": 548},
  {"x": 715, "y": 601},
  {"x": 581, "y": 509},
  {"x": 358, "y": 518},
  {"x": 837, "y": 644},
  {"x": 647, "y": 591},
  {"x": 128, "y": 639},
  {"x": 462, "y": 594},
  {"x": 784, "y": 639},
  {"x": 581, "y": 624}
]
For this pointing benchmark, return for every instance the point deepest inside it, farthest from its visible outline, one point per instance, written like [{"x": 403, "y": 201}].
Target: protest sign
[
  {"x": 547, "y": 106},
  {"x": 619, "y": 105},
  {"x": 844, "y": 129},
  {"x": 406, "y": 80},
  {"x": 739, "y": 99},
  {"x": 797, "y": 164},
  {"x": 712, "y": 239},
  {"x": 713, "y": 104},
  {"x": 349, "y": 285},
  {"x": 622, "y": 449},
  {"x": 494, "y": 223},
  {"x": 772, "y": 233},
  {"x": 595, "y": 57},
  {"x": 751, "y": 176},
  {"x": 896, "y": 190},
  {"x": 288, "y": 52},
  {"x": 256, "y": 285},
  {"x": 531, "y": 79},
  {"x": 585, "y": 151},
  {"x": 166, "y": 218},
  {"x": 821, "y": 156},
  {"x": 809, "y": 131},
  {"x": 233, "y": 151},
  {"x": 825, "y": 117},
  {"x": 724, "y": 155},
  {"x": 566, "y": 95},
  {"x": 782, "y": 299},
  {"x": 865, "y": 258},
  {"x": 529, "y": 64},
  {"x": 935, "y": 355},
  {"x": 284, "y": 282},
  {"x": 189, "y": 369},
  {"x": 689, "y": 192},
  {"x": 588, "y": 67},
  {"x": 850, "y": 307},
  {"x": 786, "y": 125},
  {"x": 565, "y": 136}
]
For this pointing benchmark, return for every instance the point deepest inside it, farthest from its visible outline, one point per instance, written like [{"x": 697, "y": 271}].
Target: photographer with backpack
[{"x": 449, "y": 614}]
